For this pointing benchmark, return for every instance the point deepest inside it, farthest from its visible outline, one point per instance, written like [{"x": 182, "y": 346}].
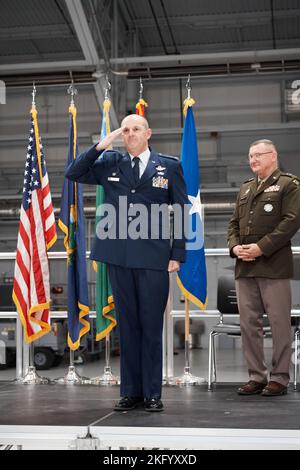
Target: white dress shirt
[{"x": 144, "y": 159}]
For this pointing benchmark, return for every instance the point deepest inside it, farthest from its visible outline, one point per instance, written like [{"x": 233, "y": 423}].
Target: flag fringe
[
  {"x": 188, "y": 103},
  {"x": 191, "y": 297},
  {"x": 46, "y": 328},
  {"x": 140, "y": 107},
  {"x": 84, "y": 310},
  {"x": 105, "y": 313}
]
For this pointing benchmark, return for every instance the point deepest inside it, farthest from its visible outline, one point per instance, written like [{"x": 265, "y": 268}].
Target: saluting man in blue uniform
[{"x": 131, "y": 239}]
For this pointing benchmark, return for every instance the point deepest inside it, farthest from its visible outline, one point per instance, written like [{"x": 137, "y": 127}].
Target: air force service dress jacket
[{"x": 161, "y": 183}]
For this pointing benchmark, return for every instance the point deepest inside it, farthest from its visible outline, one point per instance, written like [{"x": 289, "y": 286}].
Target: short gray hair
[{"x": 266, "y": 142}]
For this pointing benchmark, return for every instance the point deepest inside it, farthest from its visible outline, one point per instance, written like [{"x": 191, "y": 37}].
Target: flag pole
[
  {"x": 107, "y": 378},
  {"x": 187, "y": 335},
  {"x": 187, "y": 379},
  {"x": 72, "y": 377},
  {"x": 31, "y": 376}
]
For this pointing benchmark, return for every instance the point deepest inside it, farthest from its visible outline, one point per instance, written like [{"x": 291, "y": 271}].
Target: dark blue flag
[
  {"x": 192, "y": 278},
  {"x": 71, "y": 222}
]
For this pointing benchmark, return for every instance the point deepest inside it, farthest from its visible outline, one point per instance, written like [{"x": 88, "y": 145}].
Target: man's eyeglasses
[{"x": 258, "y": 155}]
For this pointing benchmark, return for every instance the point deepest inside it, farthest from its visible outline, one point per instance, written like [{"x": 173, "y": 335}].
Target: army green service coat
[{"x": 269, "y": 217}]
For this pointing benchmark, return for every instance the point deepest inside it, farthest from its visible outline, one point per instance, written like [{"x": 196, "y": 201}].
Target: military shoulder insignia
[
  {"x": 171, "y": 157},
  {"x": 249, "y": 181},
  {"x": 245, "y": 193},
  {"x": 290, "y": 175},
  {"x": 296, "y": 180}
]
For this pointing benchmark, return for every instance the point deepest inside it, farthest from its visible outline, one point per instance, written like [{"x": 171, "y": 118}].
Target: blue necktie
[{"x": 136, "y": 170}]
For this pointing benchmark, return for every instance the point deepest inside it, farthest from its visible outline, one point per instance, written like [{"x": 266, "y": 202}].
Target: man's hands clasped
[{"x": 247, "y": 252}]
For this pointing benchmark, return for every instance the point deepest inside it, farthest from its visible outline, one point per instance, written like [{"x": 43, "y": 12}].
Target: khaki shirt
[{"x": 269, "y": 217}]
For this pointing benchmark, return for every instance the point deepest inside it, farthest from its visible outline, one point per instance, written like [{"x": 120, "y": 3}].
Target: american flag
[{"x": 37, "y": 233}]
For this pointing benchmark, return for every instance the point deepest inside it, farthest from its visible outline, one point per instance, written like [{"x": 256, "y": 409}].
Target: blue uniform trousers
[{"x": 140, "y": 297}]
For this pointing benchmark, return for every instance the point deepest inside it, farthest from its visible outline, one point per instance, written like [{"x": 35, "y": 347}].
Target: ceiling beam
[
  {"x": 23, "y": 67},
  {"x": 232, "y": 45},
  {"x": 212, "y": 58},
  {"x": 202, "y": 58},
  {"x": 35, "y": 32},
  {"x": 83, "y": 31},
  {"x": 226, "y": 20},
  {"x": 89, "y": 50}
]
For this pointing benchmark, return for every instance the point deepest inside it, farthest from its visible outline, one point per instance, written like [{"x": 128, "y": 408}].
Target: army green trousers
[{"x": 255, "y": 296}]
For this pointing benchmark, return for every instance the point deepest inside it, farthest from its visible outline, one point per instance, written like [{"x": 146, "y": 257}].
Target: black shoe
[
  {"x": 153, "y": 404},
  {"x": 127, "y": 403}
]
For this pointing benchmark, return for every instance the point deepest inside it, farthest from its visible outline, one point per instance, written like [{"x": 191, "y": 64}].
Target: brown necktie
[{"x": 259, "y": 186}]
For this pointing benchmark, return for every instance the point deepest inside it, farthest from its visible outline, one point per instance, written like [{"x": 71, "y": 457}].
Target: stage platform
[{"x": 55, "y": 416}]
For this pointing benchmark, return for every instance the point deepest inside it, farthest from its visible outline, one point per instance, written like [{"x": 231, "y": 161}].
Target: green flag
[{"x": 105, "y": 308}]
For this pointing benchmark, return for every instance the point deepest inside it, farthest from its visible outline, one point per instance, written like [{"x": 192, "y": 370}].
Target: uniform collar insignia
[{"x": 245, "y": 193}]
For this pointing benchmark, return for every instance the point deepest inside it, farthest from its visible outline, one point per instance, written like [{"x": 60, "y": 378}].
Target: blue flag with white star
[{"x": 192, "y": 278}]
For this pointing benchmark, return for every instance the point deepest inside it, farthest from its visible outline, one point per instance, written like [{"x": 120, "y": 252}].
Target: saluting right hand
[{"x": 109, "y": 139}]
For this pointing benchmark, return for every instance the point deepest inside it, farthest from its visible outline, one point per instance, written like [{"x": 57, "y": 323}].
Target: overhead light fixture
[
  {"x": 98, "y": 74},
  {"x": 256, "y": 66}
]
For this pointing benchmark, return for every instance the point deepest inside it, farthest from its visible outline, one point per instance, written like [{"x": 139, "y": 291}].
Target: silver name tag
[{"x": 110, "y": 178}]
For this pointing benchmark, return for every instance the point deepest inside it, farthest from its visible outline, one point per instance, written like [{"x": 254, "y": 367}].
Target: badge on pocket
[{"x": 268, "y": 208}]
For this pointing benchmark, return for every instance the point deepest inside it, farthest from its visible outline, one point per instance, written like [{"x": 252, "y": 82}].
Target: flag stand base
[
  {"x": 32, "y": 378},
  {"x": 72, "y": 378},
  {"x": 106, "y": 379},
  {"x": 187, "y": 379}
]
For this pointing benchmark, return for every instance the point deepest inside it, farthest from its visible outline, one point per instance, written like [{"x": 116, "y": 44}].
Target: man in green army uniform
[{"x": 266, "y": 217}]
